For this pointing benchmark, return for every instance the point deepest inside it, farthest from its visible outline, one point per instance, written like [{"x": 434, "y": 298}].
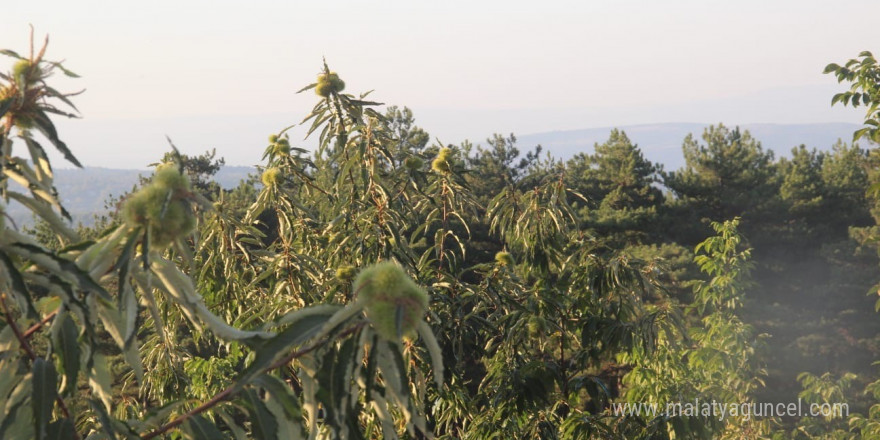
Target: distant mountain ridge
[
  {"x": 84, "y": 192},
  {"x": 661, "y": 143}
]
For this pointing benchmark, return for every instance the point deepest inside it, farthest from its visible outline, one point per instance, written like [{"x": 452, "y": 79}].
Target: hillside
[{"x": 86, "y": 190}]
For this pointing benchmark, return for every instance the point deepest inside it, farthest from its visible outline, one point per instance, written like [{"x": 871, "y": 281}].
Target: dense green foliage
[{"x": 382, "y": 287}]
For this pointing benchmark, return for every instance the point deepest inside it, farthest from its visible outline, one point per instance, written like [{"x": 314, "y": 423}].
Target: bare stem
[{"x": 36, "y": 327}]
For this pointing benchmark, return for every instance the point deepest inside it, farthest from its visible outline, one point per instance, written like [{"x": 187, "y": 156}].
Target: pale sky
[{"x": 224, "y": 74}]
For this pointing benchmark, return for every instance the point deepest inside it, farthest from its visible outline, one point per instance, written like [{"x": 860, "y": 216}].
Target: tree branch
[
  {"x": 233, "y": 388},
  {"x": 36, "y": 327}
]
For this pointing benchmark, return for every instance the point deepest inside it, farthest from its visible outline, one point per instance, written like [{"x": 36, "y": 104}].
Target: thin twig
[
  {"x": 234, "y": 388},
  {"x": 214, "y": 400},
  {"x": 36, "y": 327},
  {"x": 22, "y": 340}
]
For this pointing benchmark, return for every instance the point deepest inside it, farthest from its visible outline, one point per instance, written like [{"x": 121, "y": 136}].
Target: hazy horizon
[{"x": 204, "y": 73}]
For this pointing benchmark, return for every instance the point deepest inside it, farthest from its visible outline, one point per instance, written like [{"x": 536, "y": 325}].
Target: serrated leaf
[
  {"x": 45, "y": 125},
  {"x": 298, "y": 332},
  {"x": 341, "y": 376},
  {"x": 65, "y": 267},
  {"x": 281, "y": 402},
  {"x": 370, "y": 373},
  {"x": 66, "y": 345},
  {"x": 237, "y": 432},
  {"x": 363, "y": 103},
  {"x": 64, "y": 70},
  {"x": 123, "y": 263},
  {"x": 381, "y": 406},
  {"x": 198, "y": 428},
  {"x": 10, "y": 53},
  {"x": 64, "y": 98},
  {"x": 181, "y": 289},
  {"x": 399, "y": 364},
  {"x": 10, "y": 377},
  {"x": 308, "y": 87},
  {"x": 265, "y": 427},
  {"x": 434, "y": 351},
  {"x": 44, "y": 392},
  {"x": 61, "y": 429},
  {"x": 104, "y": 417},
  {"x": 5, "y": 104},
  {"x": 19, "y": 285},
  {"x": 281, "y": 392},
  {"x": 14, "y": 408},
  {"x": 43, "y": 167},
  {"x": 99, "y": 380}
]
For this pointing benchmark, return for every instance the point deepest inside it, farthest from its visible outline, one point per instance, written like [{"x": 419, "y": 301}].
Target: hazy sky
[{"x": 224, "y": 74}]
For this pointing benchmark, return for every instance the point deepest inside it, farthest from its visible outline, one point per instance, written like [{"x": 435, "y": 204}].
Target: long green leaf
[
  {"x": 299, "y": 331},
  {"x": 124, "y": 264},
  {"x": 66, "y": 72},
  {"x": 282, "y": 393},
  {"x": 265, "y": 427},
  {"x": 45, "y": 125},
  {"x": 100, "y": 380},
  {"x": 104, "y": 417},
  {"x": 19, "y": 285},
  {"x": 16, "y": 409},
  {"x": 66, "y": 267},
  {"x": 44, "y": 393},
  {"x": 61, "y": 429},
  {"x": 65, "y": 340},
  {"x": 285, "y": 406},
  {"x": 5, "y": 105},
  {"x": 238, "y": 432},
  {"x": 199, "y": 428}
]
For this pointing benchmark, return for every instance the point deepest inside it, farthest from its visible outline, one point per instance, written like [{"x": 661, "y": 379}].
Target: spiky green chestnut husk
[
  {"x": 536, "y": 326},
  {"x": 504, "y": 258},
  {"x": 22, "y": 67},
  {"x": 444, "y": 154},
  {"x": 162, "y": 207},
  {"x": 329, "y": 83},
  {"x": 390, "y": 299},
  {"x": 281, "y": 147},
  {"x": 441, "y": 162},
  {"x": 168, "y": 175},
  {"x": 338, "y": 84},
  {"x": 413, "y": 163},
  {"x": 345, "y": 273},
  {"x": 324, "y": 89},
  {"x": 271, "y": 177}
]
